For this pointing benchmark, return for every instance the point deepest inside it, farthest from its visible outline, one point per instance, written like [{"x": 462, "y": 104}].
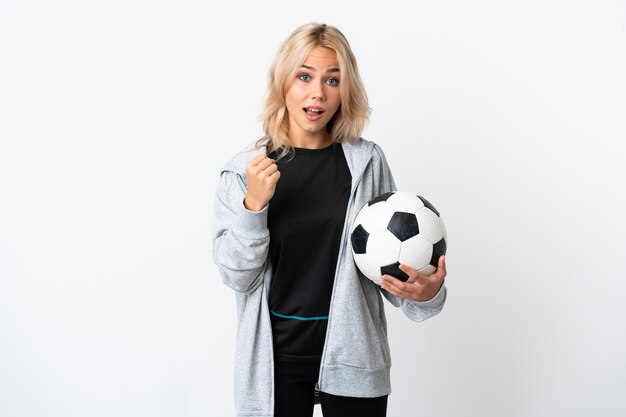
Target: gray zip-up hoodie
[{"x": 356, "y": 359}]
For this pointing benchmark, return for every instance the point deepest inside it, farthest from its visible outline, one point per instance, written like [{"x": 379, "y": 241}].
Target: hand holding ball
[{"x": 397, "y": 228}]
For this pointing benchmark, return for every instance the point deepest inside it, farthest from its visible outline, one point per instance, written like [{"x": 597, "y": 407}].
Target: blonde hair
[{"x": 351, "y": 117}]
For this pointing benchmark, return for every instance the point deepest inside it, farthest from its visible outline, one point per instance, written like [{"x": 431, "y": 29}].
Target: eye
[
  {"x": 332, "y": 81},
  {"x": 304, "y": 77}
]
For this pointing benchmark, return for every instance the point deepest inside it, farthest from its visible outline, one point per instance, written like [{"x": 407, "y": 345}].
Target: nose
[{"x": 317, "y": 91}]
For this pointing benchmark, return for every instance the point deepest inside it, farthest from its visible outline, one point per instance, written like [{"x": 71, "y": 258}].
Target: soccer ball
[{"x": 394, "y": 228}]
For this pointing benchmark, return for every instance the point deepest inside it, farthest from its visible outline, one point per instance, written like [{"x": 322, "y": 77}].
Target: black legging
[{"x": 295, "y": 395}]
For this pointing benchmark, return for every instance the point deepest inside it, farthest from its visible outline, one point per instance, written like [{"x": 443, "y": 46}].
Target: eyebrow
[{"x": 327, "y": 71}]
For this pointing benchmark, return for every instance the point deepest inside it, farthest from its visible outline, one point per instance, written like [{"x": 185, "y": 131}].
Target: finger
[
  {"x": 275, "y": 176},
  {"x": 395, "y": 284},
  {"x": 255, "y": 161},
  {"x": 392, "y": 290},
  {"x": 441, "y": 271},
  {"x": 414, "y": 276},
  {"x": 270, "y": 169},
  {"x": 271, "y": 180},
  {"x": 264, "y": 164},
  {"x": 396, "y": 290},
  {"x": 259, "y": 163},
  {"x": 442, "y": 263},
  {"x": 258, "y": 171},
  {"x": 386, "y": 283}
]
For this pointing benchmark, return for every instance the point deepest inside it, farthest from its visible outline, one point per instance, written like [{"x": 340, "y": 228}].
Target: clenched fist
[{"x": 263, "y": 175}]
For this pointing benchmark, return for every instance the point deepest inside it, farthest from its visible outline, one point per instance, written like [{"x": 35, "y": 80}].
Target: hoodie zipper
[{"x": 342, "y": 249}]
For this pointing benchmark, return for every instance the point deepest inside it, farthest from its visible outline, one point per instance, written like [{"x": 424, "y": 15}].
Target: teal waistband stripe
[{"x": 299, "y": 317}]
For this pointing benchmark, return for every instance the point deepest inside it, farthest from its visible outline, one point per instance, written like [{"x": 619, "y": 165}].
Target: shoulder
[
  {"x": 367, "y": 149},
  {"x": 237, "y": 163}
]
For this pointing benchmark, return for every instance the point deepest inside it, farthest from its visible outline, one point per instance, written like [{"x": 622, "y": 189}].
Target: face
[{"x": 313, "y": 98}]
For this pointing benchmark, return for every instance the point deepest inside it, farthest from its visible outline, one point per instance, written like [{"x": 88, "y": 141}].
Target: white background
[{"x": 116, "y": 116}]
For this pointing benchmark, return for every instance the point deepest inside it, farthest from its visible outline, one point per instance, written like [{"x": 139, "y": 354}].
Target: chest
[{"x": 312, "y": 190}]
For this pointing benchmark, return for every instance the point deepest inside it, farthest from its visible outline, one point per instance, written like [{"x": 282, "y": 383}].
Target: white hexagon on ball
[
  {"x": 383, "y": 248},
  {"x": 374, "y": 217},
  {"x": 368, "y": 267},
  {"x": 405, "y": 201},
  {"x": 416, "y": 252},
  {"x": 429, "y": 224}
]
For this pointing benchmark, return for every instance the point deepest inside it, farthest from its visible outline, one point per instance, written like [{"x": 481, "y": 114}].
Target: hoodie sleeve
[
  {"x": 414, "y": 310},
  {"x": 240, "y": 236}
]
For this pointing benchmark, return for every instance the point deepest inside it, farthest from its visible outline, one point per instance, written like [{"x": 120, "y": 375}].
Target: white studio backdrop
[{"x": 116, "y": 116}]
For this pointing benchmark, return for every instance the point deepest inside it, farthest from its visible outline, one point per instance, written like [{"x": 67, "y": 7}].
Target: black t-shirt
[{"x": 305, "y": 220}]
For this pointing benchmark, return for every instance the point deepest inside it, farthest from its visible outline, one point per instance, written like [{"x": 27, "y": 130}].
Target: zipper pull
[{"x": 317, "y": 393}]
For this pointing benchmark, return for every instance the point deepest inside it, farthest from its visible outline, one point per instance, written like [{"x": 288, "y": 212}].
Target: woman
[{"x": 307, "y": 320}]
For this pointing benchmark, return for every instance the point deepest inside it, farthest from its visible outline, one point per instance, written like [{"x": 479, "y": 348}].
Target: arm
[
  {"x": 423, "y": 297},
  {"x": 240, "y": 236}
]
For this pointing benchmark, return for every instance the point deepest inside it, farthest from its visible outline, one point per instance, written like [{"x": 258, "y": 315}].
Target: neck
[{"x": 311, "y": 142}]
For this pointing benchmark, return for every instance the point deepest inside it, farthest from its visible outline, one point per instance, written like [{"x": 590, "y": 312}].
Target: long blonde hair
[{"x": 351, "y": 117}]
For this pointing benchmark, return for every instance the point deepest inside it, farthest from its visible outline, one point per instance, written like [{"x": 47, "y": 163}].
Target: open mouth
[{"x": 313, "y": 113}]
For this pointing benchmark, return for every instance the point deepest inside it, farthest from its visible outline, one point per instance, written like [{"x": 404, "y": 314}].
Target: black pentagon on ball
[
  {"x": 359, "y": 239},
  {"x": 394, "y": 270},
  {"x": 439, "y": 249},
  {"x": 430, "y": 206},
  {"x": 403, "y": 225},
  {"x": 380, "y": 198}
]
